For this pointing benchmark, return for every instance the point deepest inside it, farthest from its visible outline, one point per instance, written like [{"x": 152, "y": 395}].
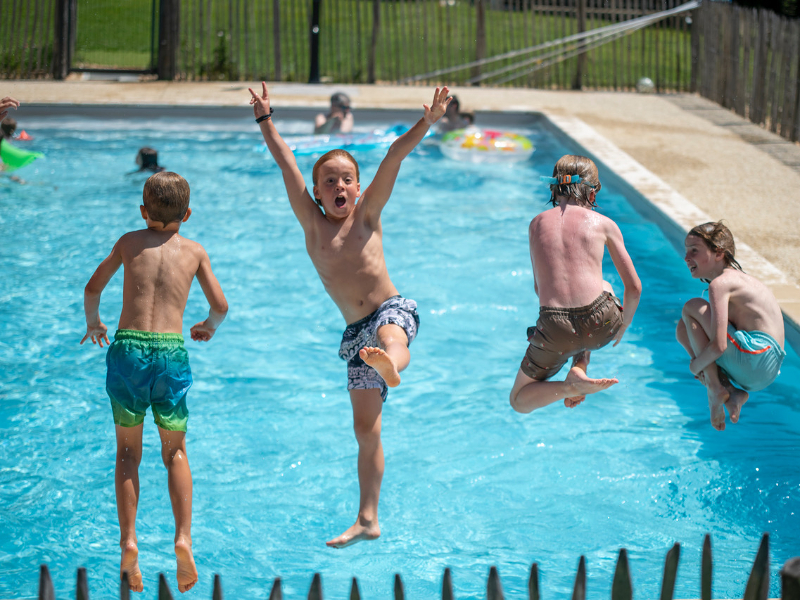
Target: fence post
[
  {"x": 313, "y": 76},
  {"x": 697, "y": 18},
  {"x": 276, "y": 37},
  {"x": 578, "y": 82},
  {"x": 168, "y": 38},
  {"x": 61, "y": 40},
  {"x": 373, "y": 47},
  {"x": 480, "y": 35}
]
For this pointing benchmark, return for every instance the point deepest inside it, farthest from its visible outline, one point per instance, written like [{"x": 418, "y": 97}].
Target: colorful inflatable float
[{"x": 486, "y": 146}]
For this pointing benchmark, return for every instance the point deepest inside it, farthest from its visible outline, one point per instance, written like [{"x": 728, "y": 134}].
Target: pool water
[{"x": 468, "y": 482}]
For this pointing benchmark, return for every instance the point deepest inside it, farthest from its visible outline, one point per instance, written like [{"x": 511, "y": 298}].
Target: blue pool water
[{"x": 468, "y": 484}]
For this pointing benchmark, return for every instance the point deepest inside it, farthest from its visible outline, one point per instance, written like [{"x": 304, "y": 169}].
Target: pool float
[
  {"x": 14, "y": 158},
  {"x": 24, "y": 136},
  {"x": 485, "y": 146},
  {"x": 304, "y": 145}
]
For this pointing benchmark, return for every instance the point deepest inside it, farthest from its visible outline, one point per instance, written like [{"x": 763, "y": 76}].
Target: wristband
[{"x": 265, "y": 117}]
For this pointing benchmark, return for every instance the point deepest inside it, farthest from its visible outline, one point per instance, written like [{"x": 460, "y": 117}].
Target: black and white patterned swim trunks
[{"x": 364, "y": 332}]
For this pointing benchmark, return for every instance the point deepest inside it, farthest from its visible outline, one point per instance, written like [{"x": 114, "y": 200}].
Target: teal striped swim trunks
[
  {"x": 148, "y": 370},
  {"x": 752, "y": 359}
]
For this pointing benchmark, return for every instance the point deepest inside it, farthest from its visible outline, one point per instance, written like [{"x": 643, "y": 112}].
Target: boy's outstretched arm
[
  {"x": 5, "y": 104},
  {"x": 95, "y": 329},
  {"x": 377, "y": 194},
  {"x": 302, "y": 203},
  {"x": 624, "y": 265},
  {"x": 218, "y": 306}
]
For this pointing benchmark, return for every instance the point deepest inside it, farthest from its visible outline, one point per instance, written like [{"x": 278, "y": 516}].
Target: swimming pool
[{"x": 468, "y": 483}]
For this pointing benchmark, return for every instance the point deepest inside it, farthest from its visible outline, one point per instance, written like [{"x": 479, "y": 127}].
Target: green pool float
[{"x": 14, "y": 158}]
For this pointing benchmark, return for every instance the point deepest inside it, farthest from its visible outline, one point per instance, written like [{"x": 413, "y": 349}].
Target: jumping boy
[
  {"x": 736, "y": 336},
  {"x": 578, "y": 312},
  {"x": 147, "y": 363},
  {"x": 344, "y": 241}
]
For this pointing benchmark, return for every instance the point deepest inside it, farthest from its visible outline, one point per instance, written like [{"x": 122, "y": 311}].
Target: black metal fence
[{"x": 622, "y": 589}]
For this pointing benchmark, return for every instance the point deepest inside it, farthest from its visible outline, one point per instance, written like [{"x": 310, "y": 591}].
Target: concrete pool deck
[{"x": 693, "y": 160}]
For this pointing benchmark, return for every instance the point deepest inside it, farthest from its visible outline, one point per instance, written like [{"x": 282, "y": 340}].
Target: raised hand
[
  {"x": 202, "y": 332},
  {"x": 436, "y": 110},
  {"x": 260, "y": 103},
  {"x": 5, "y": 104},
  {"x": 98, "y": 333}
]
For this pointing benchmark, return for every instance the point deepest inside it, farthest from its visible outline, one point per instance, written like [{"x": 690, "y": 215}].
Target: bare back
[
  {"x": 751, "y": 306},
  {"x": 159, "y": 269},
  {"x": 567, "y": 244}
]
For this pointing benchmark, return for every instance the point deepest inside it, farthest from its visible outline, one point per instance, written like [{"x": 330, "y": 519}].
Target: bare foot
[
  {"x": 357, "y": 533},
  {"x": 130, "y": 563},
  {"x": 573, "y": 401},
  {"x": 382, "y": 363},
  {"x": 584, "y": 385},
  {"x": 717, "y": 397},
  {"x": 187, "y": 572},
  {"x": 735, "y": 402}
]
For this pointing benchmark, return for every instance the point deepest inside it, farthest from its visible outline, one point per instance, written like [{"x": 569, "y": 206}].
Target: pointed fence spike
[
  {"x": 758, "y": 583},
  {"x": 276, "y": 593},
  {"x": 447, "y": 585},
  {"x": 533, "y": 583},
  {"x": 400, "y": 592},
  {"x": 124, "y": 587},
  {"x": 46, "y": 591},
  {"x": 670, "y": 572},
  {"x": 315, "y": 591},
  {"x": 494, "y": 590},
  {"x": 164, "y": 592},
  {"x": 706, "y": 570},
  {"x": 217, "y": 593},
  {"x": 354, "y": 593},
  {"x": 621, "y": 588},
  {"x": 82, "y": 585},
  {"x": 579, "y": 589},
  {"x": 790, "y": 579}
]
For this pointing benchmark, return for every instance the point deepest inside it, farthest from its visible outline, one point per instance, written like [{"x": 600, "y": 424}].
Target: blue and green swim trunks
[
  {"x": 148, "y": 369},
  {"x": 752, "y": 359}
]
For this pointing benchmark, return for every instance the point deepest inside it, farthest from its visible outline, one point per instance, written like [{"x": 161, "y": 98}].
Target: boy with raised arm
[
  {"x": 147, "y": 363},
  {"x": 344, "y": 241},
  {"x": 578, "y": 311}
]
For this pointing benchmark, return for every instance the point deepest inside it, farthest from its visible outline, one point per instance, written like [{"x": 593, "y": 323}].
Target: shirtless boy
[
  {"x": 578, "y": 311},
  {"x": 344, "y": 241},
  {"x": 147, "y": 363},
  {"x": 735, "y": 337}
]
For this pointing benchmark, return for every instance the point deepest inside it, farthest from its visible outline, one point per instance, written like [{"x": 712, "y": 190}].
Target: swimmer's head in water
[
  {"x": 718, "y": 238},
  {"x": 8, "y": 127},
  {"x": 340, "y": 100},
  {"x": 147, "y": 159},
  {"x": 333, "y": 154},
  {"x": 584, "y": 190},
  {"x": 166, "y": 197}
]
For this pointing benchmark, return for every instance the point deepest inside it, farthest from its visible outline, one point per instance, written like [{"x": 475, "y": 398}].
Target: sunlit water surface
[{"x": 468, "y": 484}]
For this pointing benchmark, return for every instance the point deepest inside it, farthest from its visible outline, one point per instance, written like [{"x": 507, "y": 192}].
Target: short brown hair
[
  {"x": 8, "y": 127},
  {"x": 718, "y": 238},
  {"x": 166, "y": 197},
  {"x": 584, "y": 168}
]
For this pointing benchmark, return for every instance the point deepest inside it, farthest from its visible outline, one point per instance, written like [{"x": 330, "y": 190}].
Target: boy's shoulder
[{"x": 142, "y": 237}]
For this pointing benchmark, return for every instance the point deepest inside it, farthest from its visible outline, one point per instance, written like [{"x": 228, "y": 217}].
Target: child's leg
[
  {"x": 367, "y": 407},
  {"x": 179, "y": 477},
  {"x": 391, "y": 357},
  {"x": 581, "y": 361},
  {"x": 126, "y": 484},
  {"x": 529, "y": 394}
]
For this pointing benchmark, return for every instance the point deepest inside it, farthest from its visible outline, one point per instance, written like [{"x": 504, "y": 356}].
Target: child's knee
[
  {"x": 170, "y": 454},
  {"x": 694, "y": 307}
]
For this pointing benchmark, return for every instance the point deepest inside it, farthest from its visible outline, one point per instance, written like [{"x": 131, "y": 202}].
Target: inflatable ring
[
  {"x": 486, "y": 146},
  {"x": 14, "y": 158}
]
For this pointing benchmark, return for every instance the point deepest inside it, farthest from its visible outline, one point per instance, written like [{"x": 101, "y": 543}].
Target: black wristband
[{"x": 265, "y": 117}]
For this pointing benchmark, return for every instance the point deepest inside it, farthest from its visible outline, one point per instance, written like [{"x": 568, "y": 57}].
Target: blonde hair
[
  {"x": 718, "y": 238},
  {"x": 584, "y": 168},
  {"x": 166, "y": 197}
]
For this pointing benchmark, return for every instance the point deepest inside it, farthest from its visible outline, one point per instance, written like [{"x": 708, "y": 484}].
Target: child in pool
[
  {"x": 339, "y": 118},
  {"x": 344, "y": 241},
  {"x": 578, "y": 312},
  {"x": 147, "y": 363},
  {"x": 735, "y": 337}
]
